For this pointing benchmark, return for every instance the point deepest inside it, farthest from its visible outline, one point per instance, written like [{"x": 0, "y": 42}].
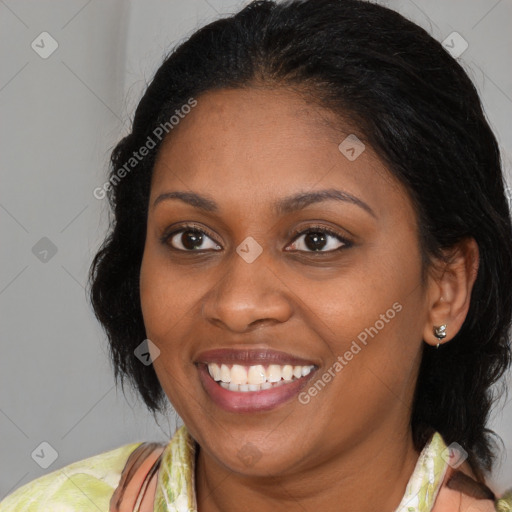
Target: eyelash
[
  {"x": 311, "y": 229},
  {"x": 327, "y": 231}
]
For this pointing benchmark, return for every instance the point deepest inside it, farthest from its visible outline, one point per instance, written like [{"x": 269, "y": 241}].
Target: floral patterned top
[{"x": 154, "y": 477}]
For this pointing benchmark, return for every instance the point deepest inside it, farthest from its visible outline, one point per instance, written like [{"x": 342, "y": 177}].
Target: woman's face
[{"x": 256, "y": 294}]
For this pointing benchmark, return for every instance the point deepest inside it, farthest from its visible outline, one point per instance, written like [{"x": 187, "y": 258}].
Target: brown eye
[
  {"x": 319, "y": 240},
  {"x": 191, "y": 240}
]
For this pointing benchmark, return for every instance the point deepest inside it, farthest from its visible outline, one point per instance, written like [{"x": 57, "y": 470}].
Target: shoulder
[
  {"x": 462, "y": 493},
  {"x": 86, "y": 485}
]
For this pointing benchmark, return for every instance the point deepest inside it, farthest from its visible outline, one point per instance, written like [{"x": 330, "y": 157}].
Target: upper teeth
[{"x": 257, "y": 374}]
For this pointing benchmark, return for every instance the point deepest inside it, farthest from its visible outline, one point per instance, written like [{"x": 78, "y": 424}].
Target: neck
[{"x": 370, "y": 476}]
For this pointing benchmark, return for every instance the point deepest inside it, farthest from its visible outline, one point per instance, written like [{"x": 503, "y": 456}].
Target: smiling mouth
[
  {"x": 250, "y": 380},
  {"x": 246, "y": 379}
]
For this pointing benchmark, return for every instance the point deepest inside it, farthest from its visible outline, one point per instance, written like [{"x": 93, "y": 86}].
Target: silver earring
[{"x": 439, "y": 332}]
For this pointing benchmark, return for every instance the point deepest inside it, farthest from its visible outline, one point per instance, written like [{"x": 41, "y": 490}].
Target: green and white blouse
[{"x": 88, "y": 485}]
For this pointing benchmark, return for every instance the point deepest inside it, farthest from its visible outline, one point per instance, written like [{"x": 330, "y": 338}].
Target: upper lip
[{"x": 250, "y": 356}]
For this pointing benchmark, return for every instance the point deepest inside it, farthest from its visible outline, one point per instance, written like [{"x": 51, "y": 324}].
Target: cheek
[
  {"x": 363, "y": 299},
  {"x": 171, "y": 302},
  {"x": 164, "y": 310},
  {"x": 375, "y": 316},
  {"x": 159, "y": 296}
]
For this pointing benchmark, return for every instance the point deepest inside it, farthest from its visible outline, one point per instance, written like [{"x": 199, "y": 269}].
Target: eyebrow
[{"x": 281, "y": 207}]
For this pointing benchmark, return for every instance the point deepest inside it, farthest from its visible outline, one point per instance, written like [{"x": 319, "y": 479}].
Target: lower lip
[{"x": 250, "y": 401}]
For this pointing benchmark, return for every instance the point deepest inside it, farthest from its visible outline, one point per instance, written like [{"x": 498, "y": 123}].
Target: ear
[{"x": 449, "y": 290}]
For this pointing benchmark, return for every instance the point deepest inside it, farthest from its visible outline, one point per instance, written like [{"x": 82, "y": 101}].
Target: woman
[{"x": 311, "y": 259}]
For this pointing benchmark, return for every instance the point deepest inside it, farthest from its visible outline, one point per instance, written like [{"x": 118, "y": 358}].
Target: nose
[{"x": 247, "y": 295}]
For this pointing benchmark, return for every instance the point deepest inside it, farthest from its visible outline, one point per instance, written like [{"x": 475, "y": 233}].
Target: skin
[{"x": 246, "y": 149}]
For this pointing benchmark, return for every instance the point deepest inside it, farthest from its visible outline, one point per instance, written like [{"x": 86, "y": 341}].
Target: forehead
[{"x": 261, "y": 144}]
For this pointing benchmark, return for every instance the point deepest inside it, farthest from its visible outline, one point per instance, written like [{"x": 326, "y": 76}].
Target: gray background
[{"x": 60, "y": 118}]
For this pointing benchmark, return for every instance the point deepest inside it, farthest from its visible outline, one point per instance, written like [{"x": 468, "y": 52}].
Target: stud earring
[{"x": 439, "y": 332}]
